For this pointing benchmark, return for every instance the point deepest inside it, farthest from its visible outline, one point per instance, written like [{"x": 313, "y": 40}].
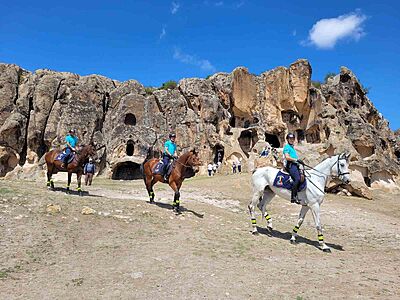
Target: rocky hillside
[{"x": 232, "y": 114}]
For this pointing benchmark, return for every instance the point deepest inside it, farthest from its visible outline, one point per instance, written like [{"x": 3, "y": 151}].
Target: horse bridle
[{"x": 333, "y": 176}]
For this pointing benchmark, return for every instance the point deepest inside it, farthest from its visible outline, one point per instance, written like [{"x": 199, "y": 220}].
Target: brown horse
[
  {"x": 186, "y": 166},
  {"x": 76, "y": 166}
]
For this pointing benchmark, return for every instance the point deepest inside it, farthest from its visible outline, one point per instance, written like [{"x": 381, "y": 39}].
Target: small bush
[
  {"x": 169, "y": 85},
  {"x": 316, "y": 84},
  {"x": 149, "y": 90}
]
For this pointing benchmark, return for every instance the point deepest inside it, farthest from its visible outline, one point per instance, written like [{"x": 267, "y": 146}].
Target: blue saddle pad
[
  {"x": 159, "y": 168},
  {"x": 283, "y": 180},
  {"x": 62, "y": 154}
]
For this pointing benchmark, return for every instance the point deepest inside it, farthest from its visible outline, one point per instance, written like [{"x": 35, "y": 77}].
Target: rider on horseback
[
  {"x": 292, "y": 165},
  {"x": 71, "y": 141},
  {"x": 169, "y": 153}
]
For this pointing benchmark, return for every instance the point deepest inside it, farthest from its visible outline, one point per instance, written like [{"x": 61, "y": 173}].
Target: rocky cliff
[{"x": 229, "y": 114}]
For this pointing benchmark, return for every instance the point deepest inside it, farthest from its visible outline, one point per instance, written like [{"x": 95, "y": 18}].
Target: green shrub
[
  {"x": 149, "y": 90},
  {"x": 169, "y": 85},
  {"x": 316, "y": 84}
]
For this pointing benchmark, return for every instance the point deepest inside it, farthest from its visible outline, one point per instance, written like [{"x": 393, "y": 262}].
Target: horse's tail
[{"x": 148, "y": 156}]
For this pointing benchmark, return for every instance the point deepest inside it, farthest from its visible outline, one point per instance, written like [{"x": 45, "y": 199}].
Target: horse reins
[{"x": 333, "y": 176}]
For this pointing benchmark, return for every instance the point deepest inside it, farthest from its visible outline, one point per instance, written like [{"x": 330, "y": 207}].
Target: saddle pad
[
  {"x": 283, "y": 180},
  {"x": 158, "y": 168},
  {"x": 62, "y": 154}
]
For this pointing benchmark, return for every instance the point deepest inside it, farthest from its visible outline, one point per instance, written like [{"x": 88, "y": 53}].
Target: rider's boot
[
  {"x": 65, "y": 162},
  {"x": 294, "y": 198}
]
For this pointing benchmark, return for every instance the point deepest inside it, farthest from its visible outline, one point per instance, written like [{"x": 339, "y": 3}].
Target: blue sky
[{"x": 156, "y": 41}]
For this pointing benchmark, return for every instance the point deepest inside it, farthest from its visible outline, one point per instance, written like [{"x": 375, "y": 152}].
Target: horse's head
[
  {"x": 88, "y": 151},
  {"x": 194, "y": 160},
  {"x": 341, "y": 167}
]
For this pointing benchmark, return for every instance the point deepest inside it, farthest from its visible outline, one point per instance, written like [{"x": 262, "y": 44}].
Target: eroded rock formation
[{"x": 230, "y": 115}]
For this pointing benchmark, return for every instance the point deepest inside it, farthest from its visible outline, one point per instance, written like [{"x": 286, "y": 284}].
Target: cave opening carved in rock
[
  {"x": 247, "y": 139},
  {"x": 218, "y": 153},
  {"x": 300, "y": 135},
  {"x": 130, "y": 119},
  {"x": 273, "y": 140},
  {"x": 363, "y": 150},
  {"x": 397, "y": 153},
  {"x": 313, "y": 135},
  {"x": 130, "y": 148},
  {"x": 127, "y": 171}
]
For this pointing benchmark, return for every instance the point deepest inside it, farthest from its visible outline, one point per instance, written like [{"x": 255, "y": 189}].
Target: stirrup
[{"x": 295, "y": 200}]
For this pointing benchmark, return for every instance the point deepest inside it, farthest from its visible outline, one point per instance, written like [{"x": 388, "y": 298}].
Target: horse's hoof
[
  {"x": 254, "y": 232},
  {"x": 327, "y": 250},
  {"x": 293, "y": 242},
  {"x": 269, "y": 228}
]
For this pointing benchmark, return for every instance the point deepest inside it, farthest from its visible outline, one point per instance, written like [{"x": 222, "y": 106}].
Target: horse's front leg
[
  {"x": 177, "y": 195},
  {"x": 79, "y": 179},
  {"x": 315, "y": 209},
  {"x": 69, "y": 182},
  {"x": 302, "y": 215}
]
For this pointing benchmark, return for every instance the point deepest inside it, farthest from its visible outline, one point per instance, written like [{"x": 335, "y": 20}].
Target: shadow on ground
[
  {"x": 287, "y": 235},
  {"x": 182, "y": 208}
]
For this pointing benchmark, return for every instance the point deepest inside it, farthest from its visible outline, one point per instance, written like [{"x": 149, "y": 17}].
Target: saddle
[
  {"x": 159, "y": 167},
  {"x": 62, "y": 155},
  {"x": 283, "y": 180}
]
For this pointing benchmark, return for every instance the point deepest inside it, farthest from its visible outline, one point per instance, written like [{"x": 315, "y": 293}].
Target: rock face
[{"x": 229, "y": 116}]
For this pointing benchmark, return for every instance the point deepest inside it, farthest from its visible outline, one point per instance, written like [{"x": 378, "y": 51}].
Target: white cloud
[
  {"x": 163, "y": 33},
  {"x": 174, "y": 7},
  {"x": 327, "y": 32},
  {"x": 204, "y": 64}
]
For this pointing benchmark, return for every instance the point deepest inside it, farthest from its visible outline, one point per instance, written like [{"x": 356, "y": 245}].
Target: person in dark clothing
[
  {"x": 89, "y": 171},
  {"x": 169, "y": 153},
  {"x": 292, "y": 165},
  {"x": 71, "y": 141}
]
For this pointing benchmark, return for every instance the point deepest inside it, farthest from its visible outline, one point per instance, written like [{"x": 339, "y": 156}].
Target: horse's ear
[{"x": 347, "y": 156}]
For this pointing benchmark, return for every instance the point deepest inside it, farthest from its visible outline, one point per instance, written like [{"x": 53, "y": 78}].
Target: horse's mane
[{"x": 184, "y": 156}]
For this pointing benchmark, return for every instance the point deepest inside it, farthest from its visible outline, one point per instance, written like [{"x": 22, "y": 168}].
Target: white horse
[{"x": 311, "y": 197}]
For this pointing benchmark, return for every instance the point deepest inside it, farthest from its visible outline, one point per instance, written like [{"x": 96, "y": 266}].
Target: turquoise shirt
[
  {"x": 290, "y": 149},
  {"x": 72, "y": 140},
  {"x": 170, "y": 146}
]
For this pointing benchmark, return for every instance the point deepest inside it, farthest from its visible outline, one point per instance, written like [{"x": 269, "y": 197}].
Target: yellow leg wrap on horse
[
  {"x": 253, "y": 221},
  {"x": 320, "y": 237},
  {"x": 79, "y": 189},
  {"x": 296, "y": 229},
  {"x": 267, "y": 217}
]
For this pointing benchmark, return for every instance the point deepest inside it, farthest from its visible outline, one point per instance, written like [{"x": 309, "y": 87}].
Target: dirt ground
[{"x": 130, "y": 249}]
